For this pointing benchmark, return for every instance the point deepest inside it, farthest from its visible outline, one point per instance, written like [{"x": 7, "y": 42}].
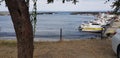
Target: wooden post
[
  {"x": 60, "y": 34},
  {"x": 102, "y": 33}
]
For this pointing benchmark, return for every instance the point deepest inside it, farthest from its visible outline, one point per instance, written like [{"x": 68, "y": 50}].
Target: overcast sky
[{"x": 82, "y": 5}]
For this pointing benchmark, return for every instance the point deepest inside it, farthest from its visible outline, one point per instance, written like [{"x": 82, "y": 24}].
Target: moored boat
[
  {"x": 91, "y": 27},
  {"x": 98, "y": 24}
]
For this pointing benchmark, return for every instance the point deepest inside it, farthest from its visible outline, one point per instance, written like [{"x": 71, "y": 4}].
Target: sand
[{"x": 91, "y": 48}]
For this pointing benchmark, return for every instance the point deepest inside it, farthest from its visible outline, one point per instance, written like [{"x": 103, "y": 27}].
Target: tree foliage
[
  {"x": 34, "y": 15},
  {"x": 116, "y": 6}
]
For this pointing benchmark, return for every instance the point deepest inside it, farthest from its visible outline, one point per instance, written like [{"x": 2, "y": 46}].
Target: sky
[{"x": 82, "y": 5}]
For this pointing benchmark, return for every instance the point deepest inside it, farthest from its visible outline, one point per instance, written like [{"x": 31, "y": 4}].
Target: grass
[
  {"x": 93, "y": 48},
  {"x": 8, "y": 43}
]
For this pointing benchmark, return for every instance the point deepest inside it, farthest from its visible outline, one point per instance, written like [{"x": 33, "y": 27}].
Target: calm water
[{"x": 48, "y": 26}]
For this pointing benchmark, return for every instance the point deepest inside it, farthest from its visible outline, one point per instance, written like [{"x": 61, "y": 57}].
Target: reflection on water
[{"x": 48, "y": 26}]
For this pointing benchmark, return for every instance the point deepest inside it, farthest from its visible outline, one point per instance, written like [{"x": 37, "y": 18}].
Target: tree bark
[{"x": 21, "y": 20}]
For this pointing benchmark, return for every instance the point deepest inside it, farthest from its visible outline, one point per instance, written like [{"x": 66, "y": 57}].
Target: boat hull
[{"x": 92, "y": 29}]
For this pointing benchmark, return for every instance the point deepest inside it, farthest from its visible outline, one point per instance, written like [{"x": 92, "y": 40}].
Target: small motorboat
[{"x": 91, "y": 27}]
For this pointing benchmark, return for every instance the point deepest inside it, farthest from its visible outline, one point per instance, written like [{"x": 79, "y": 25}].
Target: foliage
[
  {"x": 34, "y": 15},
  {"x": 116, "y": 6}
]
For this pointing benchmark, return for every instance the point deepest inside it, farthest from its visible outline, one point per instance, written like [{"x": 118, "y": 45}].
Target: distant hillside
[
  {"x": 4, "y": 13},
  {"x": 71, "y": 13},
  {"x": 60, "y": 12}
]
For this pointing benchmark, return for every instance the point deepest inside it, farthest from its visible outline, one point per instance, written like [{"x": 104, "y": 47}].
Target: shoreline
[
  {"x": 2, "y": 13},
  {"x": 47, "y": 39}
]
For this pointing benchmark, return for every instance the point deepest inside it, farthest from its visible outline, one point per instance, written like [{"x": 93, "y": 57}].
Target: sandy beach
[{"x": 91, "y": 48}]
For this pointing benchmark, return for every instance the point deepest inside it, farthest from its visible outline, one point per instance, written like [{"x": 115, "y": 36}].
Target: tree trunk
[{"x": 21, "y": 20}]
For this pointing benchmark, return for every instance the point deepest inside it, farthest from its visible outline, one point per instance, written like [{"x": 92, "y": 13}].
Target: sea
[{"x": 49, "y": 25}]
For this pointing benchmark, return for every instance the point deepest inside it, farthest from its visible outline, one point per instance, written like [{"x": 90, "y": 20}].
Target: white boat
[
  {"x": 100, "y": 21},
  {"x": 106, "y": 16},
  {"x": 98, "y": 24},
  {"x": 91, "y": 27},
  {"x": 104, "y": 19}
]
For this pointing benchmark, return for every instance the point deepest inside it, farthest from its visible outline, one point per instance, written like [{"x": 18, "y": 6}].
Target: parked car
[{"x": 116, "y": 43}]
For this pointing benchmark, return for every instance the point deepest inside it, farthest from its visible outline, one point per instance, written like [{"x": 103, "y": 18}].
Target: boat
[
  {"x": 98, "y": 24},
  {"x": 91, "y": 27},
  {"x": 104, "y": 19},
  {"x": 100, "y": 21}
]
